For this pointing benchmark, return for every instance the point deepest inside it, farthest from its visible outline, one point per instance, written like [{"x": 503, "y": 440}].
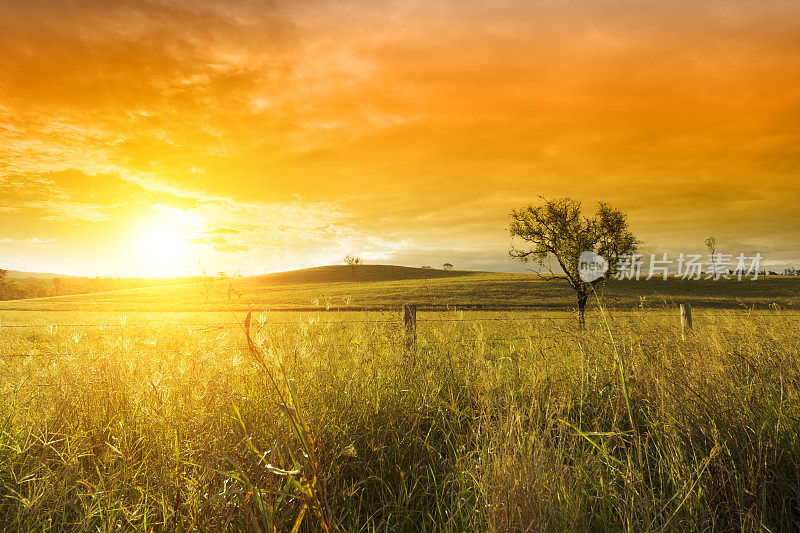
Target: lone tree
[
  {"x": 353, "y": 261},
  {"x": 557, "y": 228},
  {"x": 447, "y": 266},
  {"x": 711, "y": 246}
]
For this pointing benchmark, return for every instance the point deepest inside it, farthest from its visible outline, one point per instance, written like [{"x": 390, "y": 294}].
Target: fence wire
[
  {"x": 397, "y": 322},
  {"x": 612, "y": 315}
]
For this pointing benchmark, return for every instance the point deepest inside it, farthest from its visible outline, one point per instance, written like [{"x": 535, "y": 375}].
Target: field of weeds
[{"x": 494, "y": 422}]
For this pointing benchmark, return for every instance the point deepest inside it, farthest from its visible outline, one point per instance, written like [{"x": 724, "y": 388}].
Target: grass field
[
  {"x": 391, "y": 286},
  {"x": 497, "y": 421}
]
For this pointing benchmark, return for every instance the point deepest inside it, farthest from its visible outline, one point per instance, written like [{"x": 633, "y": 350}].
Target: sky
[{"x": 157, "y": 138}]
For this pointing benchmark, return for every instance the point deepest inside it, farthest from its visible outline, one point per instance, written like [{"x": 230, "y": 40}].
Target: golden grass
[{"x": 498, "y": 425}]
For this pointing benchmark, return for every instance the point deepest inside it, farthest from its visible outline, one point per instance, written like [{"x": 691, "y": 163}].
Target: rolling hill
[
  {"x": 370, "y": 286},
  {"x": 19, "y": 274},
  {"x": 360, "y": 273}
]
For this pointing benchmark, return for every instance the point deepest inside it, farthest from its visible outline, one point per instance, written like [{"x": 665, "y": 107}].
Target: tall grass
[{"x": 498, "y": 426}]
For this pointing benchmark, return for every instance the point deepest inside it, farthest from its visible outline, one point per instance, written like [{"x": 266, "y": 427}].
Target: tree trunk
[{"x": 582, "y": 298}]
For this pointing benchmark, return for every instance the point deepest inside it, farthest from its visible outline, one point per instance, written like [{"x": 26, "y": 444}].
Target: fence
[{"x": 409, "y": 318}]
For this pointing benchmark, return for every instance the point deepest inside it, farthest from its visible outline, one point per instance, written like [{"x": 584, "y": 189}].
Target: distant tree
[
  {"x": 36, "y": 288},
  {"x": 557, "y": 229},
  {"x": 447, "y": 266},
  {"x": 711, "y": 244},
  {"x": 353, "y": 261},
  {"x": 3, "y": 283},
  {"x": 426, "y": 266},
  {"x": 8, "y": 289}
]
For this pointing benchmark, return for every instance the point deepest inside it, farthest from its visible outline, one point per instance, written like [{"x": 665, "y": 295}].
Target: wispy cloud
[
  {"x": 300, "y": 131},
  {"x": 34, "y": 241}
]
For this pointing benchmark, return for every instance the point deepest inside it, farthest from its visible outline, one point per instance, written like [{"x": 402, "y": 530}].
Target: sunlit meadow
[{"x": 496, "y": 421}]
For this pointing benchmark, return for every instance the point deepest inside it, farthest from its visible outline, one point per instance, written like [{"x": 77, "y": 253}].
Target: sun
[
  {"x": 162, "y": 249},
  {"x": 162, "y": 241}
]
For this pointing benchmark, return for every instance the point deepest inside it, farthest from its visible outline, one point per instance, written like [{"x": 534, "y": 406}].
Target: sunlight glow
[{"x": 163, "y": 249}]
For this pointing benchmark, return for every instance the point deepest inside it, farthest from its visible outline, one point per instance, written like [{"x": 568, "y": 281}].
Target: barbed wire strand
[{"x": 644, "y": 314}]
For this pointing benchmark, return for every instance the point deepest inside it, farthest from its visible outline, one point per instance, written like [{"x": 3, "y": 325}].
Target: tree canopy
[{"x": 558, "y": 229}]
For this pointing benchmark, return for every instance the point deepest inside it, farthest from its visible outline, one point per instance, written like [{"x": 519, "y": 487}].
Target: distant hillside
[
  {"x": 19, "y": 274},
  {"x": 388, "y": 287},
  {"x": 216, "y": 290},
  {"x": 344, "y": 273},
  {"x": 23, "y": 285}
]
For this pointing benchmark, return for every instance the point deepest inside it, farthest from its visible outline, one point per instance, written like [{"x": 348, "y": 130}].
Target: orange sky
[{"x": 263, "y": 136}]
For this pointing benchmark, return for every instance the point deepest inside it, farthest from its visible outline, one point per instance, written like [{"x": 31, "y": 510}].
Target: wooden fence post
[
  {"x": 410, "y": 321},
  {"x": 686, "y": 320}
]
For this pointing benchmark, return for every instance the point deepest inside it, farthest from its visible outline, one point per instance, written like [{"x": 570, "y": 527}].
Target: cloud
[
  {"x": 226, "y": 231},
  {"x": 34, "y": 241},
  {"x": 72, "y": 195},
  {"x": 301, "y": 131}
]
